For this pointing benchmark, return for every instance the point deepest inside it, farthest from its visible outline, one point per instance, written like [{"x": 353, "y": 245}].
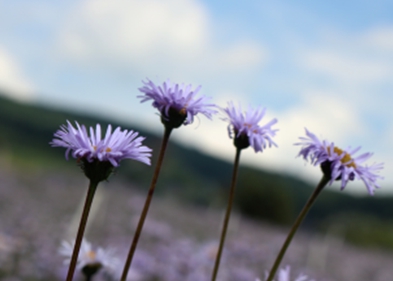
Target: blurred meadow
[{"x": 343, "y": 238}]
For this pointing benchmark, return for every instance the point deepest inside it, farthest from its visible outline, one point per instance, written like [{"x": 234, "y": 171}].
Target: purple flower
[
  {"x": 339, "y": 164},
  {"x": 178, "y": 104},
  {"x": 284, "y": 275},
  {"x": 245, "y": 130},
  {"x": 90, "y": 260},
  {"x": 113, "y": 148}
]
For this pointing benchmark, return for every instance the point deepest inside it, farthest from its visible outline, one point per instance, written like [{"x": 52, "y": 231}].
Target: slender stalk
[
  {"x": 296, "y": 225},
  {"x": 227, "y": 214},
  {"x": 82, "y": 225},
  {"x": 149, "y": 197}
]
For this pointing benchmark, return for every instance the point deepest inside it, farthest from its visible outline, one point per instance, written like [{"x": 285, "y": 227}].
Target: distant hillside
[{"x": 188, "y": 174}]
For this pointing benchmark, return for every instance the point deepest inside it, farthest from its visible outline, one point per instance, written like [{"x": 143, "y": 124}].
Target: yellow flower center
[
  {"x": 183, "y": 111},
  {"x": 249, "y": 127},
  {"x": 91, "y": 255},
  {"x": 108, "y": 149},
  {"x": 346, "y": 157}
]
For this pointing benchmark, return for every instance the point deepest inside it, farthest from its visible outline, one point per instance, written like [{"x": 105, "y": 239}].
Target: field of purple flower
[{"x": 39, "y": 210}]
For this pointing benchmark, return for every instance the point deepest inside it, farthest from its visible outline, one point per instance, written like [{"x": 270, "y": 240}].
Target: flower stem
[
  {"x": 149, "y": 197},
  {"x": 82, "y": 225},
  {"x": 227, "y": 214},
  {"x": 296, "y": 225}
]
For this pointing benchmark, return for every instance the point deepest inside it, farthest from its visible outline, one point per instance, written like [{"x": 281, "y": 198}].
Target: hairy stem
[
  {"x": 296, "y": 225},
  {"x": 149, "y": 197},
  {"x": 82, "y": 225},
  {"x": 227, "y": 214}
]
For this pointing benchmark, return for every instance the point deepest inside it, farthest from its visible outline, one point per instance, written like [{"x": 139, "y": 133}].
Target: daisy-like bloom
[
  {"x": 284, "y": 275},
  {"x": 99, "y": 155},
  {"x": 244, "y": 128},
  {"x": 113, "y": 147},
  {"x": 90, "y": 260},
  {"x": 177, "y": 104},
  {"x": 339, "y": 164}
]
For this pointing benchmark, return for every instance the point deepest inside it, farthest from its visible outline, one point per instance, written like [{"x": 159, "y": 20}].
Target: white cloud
[
  {"x": 352, "y": 60},
  {"x": 12, "y": 81},
  {"x": 172, "y": 38},
  {"x": 243, "y": 56},
  {"x": 347, "y": 68},
  {"x": 134, "y": 28},
  {"x": 325, "y": 111},
  {"x": 380, "y": 37}
]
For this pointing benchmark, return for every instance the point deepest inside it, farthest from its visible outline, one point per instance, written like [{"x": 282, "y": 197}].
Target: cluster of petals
[
  {"x": 177, "y": 97},
  {"x": 114, "y": 147},
  {"x": 246, "y": 123},
  {"x": 88, "y": 256},
  {"x": 344, "y": 166},
  {"x": 284, "y": 275}
]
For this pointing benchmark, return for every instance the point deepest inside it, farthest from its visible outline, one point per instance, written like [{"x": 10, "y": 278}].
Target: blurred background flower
[{"x": 91, "y": 260}]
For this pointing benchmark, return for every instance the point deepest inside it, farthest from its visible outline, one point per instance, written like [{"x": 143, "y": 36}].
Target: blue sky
[{"x": 324, "y": 65}]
